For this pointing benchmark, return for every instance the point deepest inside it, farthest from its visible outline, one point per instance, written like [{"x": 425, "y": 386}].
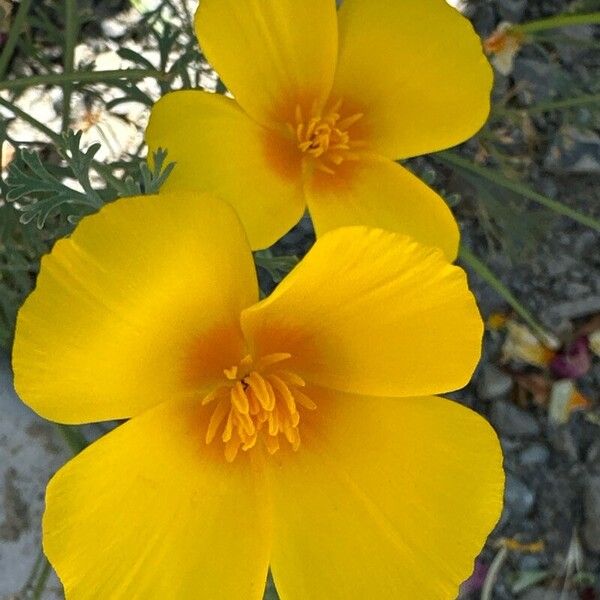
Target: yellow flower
[
  {"x": 324, "y": 103},
  {"x": 295, "y": 432}
]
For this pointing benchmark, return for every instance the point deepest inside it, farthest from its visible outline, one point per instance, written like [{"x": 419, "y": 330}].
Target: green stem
[
  {"x": 492, "y": 574},
  {"x": 13, "y": 36},
  {"x": 103, "y": 170},
  {"x": 82, "y": 77},
  {"x": 557, "y": 22},
  {"x": 40, "y": 584},
  {"x": 39, "y": 561},
  {"x": 74, "y": 438},
  {"x": 71, "y": 33},
  {"x": 574, "y": 102},
  {"x": 55, "y": 137},
  {"x": 469, "y": 259},
  {"x": 490, "y": 174}
]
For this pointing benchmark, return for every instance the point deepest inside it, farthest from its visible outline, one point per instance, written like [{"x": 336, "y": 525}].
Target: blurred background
[{"x": 526, "y": 191}]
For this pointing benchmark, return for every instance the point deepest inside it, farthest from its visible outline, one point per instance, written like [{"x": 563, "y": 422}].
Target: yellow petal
[
  {"x": 271, "y": 54},
  {"x": 370, "y": 311},
  {"x": 416, "y": 69},
  {"x": 219, "y": 149},
  {"x": 140, "y": 305},
  {"x": 151, "y": 512},
  {"x": 380, "y": 193},
  {"x": 386, "y": 498}
]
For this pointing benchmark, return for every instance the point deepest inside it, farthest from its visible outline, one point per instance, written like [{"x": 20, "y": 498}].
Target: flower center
[
  {"x": 326, "y": 138},
  {"x": 260, "y": 401}
]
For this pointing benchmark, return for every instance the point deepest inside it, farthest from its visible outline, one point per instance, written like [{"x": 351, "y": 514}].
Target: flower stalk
[
  {"x": 557, "y": 22},
  {"x": 469, "y": 259},
  {"x": 83, "y": 77},
  {"x": 455, "y": 160},
  {"x": 13, "y": 36},
  {"x": 575, "y": 102},
  {"x": 71, "y": 33}
]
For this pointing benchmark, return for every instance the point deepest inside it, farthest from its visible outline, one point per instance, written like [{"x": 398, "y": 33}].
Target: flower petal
[
  {"x": 218, "y": 149},
  {"x": 385, "y": 499},
  {"x": 372, "y": 312},
  {"x": 417, "y": 71},
  {"x": 380, "y": 193},
  {"x": 271, "y": 54},
  {"x": 149, "y": 511},
  {"x": 140, "y": 305}
]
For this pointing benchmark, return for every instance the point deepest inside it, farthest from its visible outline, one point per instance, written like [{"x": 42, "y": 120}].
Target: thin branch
[
  {"x": 566, "y": 103},
  {"x": 55, "y": 137},
  {"x": 83, "y": 77},
  {"x": 492, "y": 175},
  {"x": 13, "y": 36},
  {"x": 468, "y": 258},
  {"x": 557, "y": 22},
  {"x": 71, "y": 34}
]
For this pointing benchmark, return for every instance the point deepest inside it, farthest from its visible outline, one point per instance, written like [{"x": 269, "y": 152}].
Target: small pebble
[
  {"x": 518, "y": 497},
  {"x": 534, "y": 455},
  {"x": 493, "y": 383},
  {"x": 591, "y": 510},
  {"x": 510, "y": 420}
]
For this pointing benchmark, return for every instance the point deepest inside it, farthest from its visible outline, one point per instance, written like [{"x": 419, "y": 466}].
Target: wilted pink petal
[
  {"x": 475, "y": 582},
  {"x": 573, "y": 361}
]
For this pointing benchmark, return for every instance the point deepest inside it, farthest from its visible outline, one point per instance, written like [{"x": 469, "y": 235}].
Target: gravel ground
[{"x": 30, "y": 451}]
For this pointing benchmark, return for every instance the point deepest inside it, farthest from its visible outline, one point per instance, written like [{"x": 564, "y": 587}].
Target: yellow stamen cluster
[
  {"x": 326, "y": 138},
  {"x": 257, "y": 402}
]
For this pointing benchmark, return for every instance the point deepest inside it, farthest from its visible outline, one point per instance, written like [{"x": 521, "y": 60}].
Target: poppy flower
[
  {"x": 296, "y": 433},
  {"x": 325, "y": 102}
]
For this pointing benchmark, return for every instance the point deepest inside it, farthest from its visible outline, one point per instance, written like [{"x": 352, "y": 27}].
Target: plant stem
[
  {"x": 490, "y": 174},
  {"x": 13, "y": 36},
  {"x": 469, "y": 259},
  {"x": 39, "y": 561},
  {"x": 558, "y": 21},
  {"x": 40, "y": 584},
  {"x": 55, "y": 137},
  {"x": 82, "y": 77},
  {"x": 74, "y": 438},
  {"x": 103, "y": 170},
  {"x": 574, "y": 102},
  {"x": 492, "y": 574},
  {"x": 71, "y": 34}
]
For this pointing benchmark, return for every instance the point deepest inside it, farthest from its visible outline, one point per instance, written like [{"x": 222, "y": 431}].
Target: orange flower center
[
  {"x": 261, "y": 400},
  {"x": 326, "y": 139}
]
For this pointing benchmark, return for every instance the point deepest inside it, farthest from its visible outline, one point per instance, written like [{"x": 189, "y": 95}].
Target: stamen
[
  {"x": 231, "y": 373},
  {"x": 210, "y": 397},
  {"x": 257, "y": 403},
  {"x": 326, "y": 139},
  {"x": 348, "y": 122},
  {"x": 271, "y": 359},
  {"x": 291, "y": 378},
  {"x": 304, "y": 400},
  {"x": 324, "y": 169},
  {"x": 231, "y": 449},
  {"x": 239, "y": 398},
  {"x": 216, "y": 420},
  {"x": 284, "y": 390},
  {"x": 228, "y": 431}
]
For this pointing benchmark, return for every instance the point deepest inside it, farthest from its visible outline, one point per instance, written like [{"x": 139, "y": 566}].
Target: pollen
[
  {"x": 326, "y": 138},
  {"x": 261, "y": 402}
]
